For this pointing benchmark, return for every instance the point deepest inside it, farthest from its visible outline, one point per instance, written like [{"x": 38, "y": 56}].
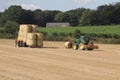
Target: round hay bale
[
  {"x": 31, "y": 43},
  {"x": 39, "y": 40},
  {"x": 31, "y": 36},
  {"x": 40, "y": 43},
  {"x": 26, "y": 27},
  {"x": 68, "y": 44},
  {"x": 34, "y": 28},
  {"x": 39, "y": 36}
]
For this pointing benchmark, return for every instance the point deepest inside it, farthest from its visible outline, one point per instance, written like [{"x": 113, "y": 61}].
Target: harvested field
[{"x": 54, "y": 62}]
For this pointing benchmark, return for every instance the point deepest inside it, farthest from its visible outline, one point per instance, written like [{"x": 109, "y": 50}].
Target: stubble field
[{"x": 54, "y": 62}]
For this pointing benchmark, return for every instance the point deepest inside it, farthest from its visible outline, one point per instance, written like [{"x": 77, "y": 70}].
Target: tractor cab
[{"x": 82, "y": 39}]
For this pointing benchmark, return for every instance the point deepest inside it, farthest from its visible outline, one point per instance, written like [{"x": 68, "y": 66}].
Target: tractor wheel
[
  {"x": 75, "y": 46},
  {"x": 82, "y": 46}
]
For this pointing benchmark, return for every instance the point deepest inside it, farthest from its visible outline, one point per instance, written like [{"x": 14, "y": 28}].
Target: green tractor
[
  {"x": 78, "y": 42},
  {"x": 82, "y": 43}
]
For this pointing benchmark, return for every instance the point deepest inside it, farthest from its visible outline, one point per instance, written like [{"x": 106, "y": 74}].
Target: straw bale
[
  {"x": 39, "y": 43},
  {"x": 26, "y": 27},
  {"x": 22, "y": 38},
  {"x": 68, "y": 45},
  {"x": 34, "y": 28},
  {"x": 39, "y": 36},
  {"x": 31, "y": 36},
  {"x": 22, "y": 33},
  {"x": 32, "y": 43}
]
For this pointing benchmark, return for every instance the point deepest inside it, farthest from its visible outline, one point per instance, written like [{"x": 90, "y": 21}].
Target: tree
[
  {"x": 27, "y": 17},
  {"x": 94, "y": 18},
  {"x": 74, "y": 16},
  {"x": 39, "y": 17},
  {"x": 58, "y": 17},
  {"x": 86, "y": 17},
  {"x": 50, "y": 15},
  {"x": 11, "y": 27},
  {"x": 62, "y": 17},
  {"x": 116, "y": 14},
  {"x": 42, "y": 17},
  {"x": 13, "y": 13},
  {"x": 0, "y": 14},
  {"x": 105, "y": 14},
  {"x": 3, "y": 20}
]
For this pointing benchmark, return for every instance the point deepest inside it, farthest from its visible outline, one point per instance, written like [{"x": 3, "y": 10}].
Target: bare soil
[{"x": 54, "y": 62}]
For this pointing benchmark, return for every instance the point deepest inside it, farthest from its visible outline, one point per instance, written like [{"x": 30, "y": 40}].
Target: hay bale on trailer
[
  {"x": 31, "y": 36},
  {"x": 31, "y": 40},
  {"x": 26, "y": 27},
  {"x": 39, "y": 40},
  {"x": 39, "y": 36},
  {"x": 39, "y": 43},
  {"x": 22, "y": 35},
  {"x": 34, "y": 28}
]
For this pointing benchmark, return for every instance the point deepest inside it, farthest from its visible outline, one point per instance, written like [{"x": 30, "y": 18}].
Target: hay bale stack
[
  {"x": 35, "y": 39},
  {"x": 39, "y": 40},
  {"x": 32, "y": 39},
  {"x": 24, "y": 29},
  {"x": 28, "y": 33},
  {"x": 68, "y": 44}
]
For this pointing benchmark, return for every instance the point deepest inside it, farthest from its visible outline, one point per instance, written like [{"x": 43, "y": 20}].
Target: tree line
[{"x": 103, "y": 15}]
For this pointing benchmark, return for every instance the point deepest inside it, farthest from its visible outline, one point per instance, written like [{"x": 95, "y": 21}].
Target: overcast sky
[{"x": 62, "y": 5}]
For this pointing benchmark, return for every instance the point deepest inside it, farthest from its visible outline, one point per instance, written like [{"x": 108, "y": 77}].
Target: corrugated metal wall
[{"x": 57, "y": 24}]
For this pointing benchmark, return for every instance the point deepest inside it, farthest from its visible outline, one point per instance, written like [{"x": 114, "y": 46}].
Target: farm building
[{"x": 57, "y": 24}]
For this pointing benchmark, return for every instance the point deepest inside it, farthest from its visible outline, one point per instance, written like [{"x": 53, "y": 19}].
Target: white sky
[{"x": 62, "y": 5}]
